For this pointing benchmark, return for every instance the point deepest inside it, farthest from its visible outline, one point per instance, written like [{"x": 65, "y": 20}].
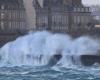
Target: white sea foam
[{"x": 36, "y": 48}]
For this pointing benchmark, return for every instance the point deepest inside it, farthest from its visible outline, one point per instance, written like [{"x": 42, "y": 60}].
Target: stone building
[
  {"x": 12, "y": 15},
  {"x": 12, "y": 20},
  {"x": 62, "y": 16}
]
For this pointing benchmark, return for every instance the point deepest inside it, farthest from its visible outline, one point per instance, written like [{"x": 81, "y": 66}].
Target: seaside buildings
[
  {"x": 62, "y": 16},
  {"x": 65, "y": 16}
]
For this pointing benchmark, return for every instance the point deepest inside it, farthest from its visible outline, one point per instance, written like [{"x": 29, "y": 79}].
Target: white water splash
[{"x": 37, "y": 48}]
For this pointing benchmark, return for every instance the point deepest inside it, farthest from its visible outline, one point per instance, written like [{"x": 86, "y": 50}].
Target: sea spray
[{"x": 36, "y": 49}]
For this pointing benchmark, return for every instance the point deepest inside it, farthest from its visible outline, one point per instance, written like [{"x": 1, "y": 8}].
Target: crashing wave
[{"x": 42, "y": 47}]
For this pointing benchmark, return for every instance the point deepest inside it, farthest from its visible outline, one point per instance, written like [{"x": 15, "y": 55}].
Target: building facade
[
  {"x": 65, "y": 16},
  {"x": 62, "y": 16},
  {"x": 12, "y": 15},
  {"x": 12, "y": 20}
]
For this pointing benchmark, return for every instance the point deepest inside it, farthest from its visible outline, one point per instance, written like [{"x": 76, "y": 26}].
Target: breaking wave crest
[{"x": 38, "y": 48}]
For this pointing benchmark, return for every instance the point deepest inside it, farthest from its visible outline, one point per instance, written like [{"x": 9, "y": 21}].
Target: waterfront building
[
  {"x": 65, "y": 16},
  {"x": 12, "y": 15},
  {"x": 62, "y": 16},
  {"x": 12, "y": 19}
]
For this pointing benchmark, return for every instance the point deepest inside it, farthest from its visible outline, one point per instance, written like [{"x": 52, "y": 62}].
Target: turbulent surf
[{"x": 45, "y": 48}]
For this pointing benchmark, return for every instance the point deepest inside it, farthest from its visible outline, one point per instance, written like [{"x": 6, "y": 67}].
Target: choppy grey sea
[{"x": 54, "y": 73}]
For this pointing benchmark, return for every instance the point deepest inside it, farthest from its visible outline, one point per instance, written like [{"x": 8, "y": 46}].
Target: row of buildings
[
  {"x": 65, "y": 16},
  {"x": 69, "y": 16}
]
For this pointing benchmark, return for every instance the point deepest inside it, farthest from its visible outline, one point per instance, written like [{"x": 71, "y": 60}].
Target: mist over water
[{"x": 36, "y": 49}]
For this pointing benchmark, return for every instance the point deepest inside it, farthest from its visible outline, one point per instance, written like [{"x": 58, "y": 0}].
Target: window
[
  {"x": 75, "y": 19},
  {"x": 2, "y": 15},
  {"x": 75, "y": 9},
  {"x": 82, "y": 9},
  {"x": 78, "y": 9},
  {"x": 78, "y": 19},
  {"x": 2, "y": 7},
  {"x": 2, "y": 25},
  {"x": 87, "y": 9},
  {"x": 82, "y": 19},
  {"x": 10, "y": 26}
]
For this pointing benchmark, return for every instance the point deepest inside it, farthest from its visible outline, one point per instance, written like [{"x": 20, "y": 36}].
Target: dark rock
[
  {"x": 54, "y": 59},
  {"x": 89, "y": 60}
]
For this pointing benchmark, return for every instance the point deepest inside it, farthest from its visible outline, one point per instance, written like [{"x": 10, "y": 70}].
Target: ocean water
[
  {"x": 54, "y": 73},
  {"x": 35, "y": 56}
]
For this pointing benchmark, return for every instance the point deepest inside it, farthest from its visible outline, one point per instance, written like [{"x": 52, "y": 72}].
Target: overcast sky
[{"x": 91, "y": 2}]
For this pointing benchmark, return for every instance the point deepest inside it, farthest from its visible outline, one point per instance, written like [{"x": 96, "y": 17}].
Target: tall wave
[{"x": 38, "y": 48}]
